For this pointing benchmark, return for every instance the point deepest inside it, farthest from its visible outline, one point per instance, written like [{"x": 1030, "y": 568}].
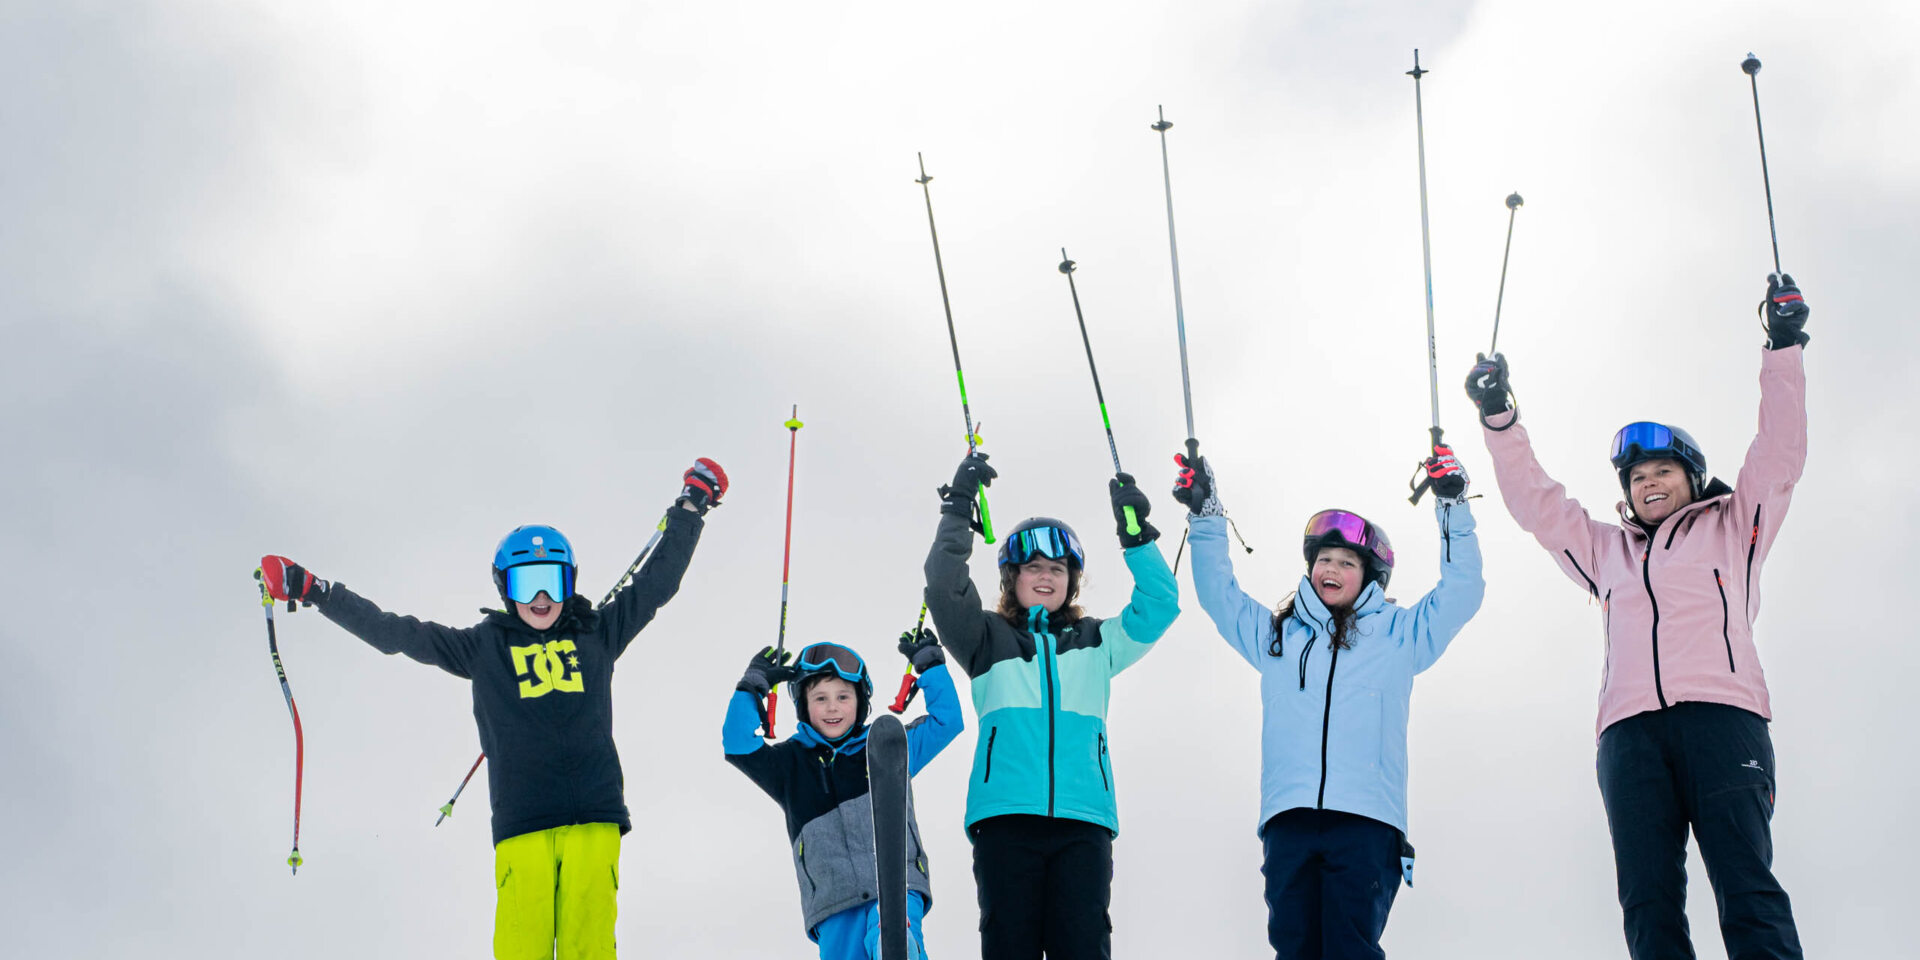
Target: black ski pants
[
  {"x": 1331, "y": 878},
  {"x": 1045, "y": 883},
  {"x": 1707, "y": 766}
]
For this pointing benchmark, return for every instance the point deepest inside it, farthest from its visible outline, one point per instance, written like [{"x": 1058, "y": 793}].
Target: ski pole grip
[
  {"x": 773, "y": 701},
  {"x": 900, "y": 699},
  {"x": 986, "y": 519},
  {"x": 1133, "y": 522}
]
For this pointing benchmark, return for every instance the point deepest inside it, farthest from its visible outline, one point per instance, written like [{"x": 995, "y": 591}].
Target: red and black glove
[
  {"x": 1195, "y": 487},
  {"x": 289, "y": 581},
  {"x": 1785, "y": 312},
  {"x": 705, "y": 483},
  {"x": 1444, "y": 472}
]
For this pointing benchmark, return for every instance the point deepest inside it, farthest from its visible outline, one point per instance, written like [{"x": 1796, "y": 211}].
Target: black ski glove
[
  {"x": 1447, "y": 477},
  {"x": 767, "y": 668},
  {"x": 922, "y": 649},
  {"x": 972, "y": 474},
  {"x": 704, "y": 484},
  {"x": 1487, "y": 385},
  {"x": 1195, "y": 487},
  {"x": 1125, "y": 493},
  {"x": 1785, "y": 312}
]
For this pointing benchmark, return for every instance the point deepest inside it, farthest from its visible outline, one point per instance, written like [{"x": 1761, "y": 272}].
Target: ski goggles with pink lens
[
  {"x": 529, "y": 580},
  {"x": 1350, "y": 527}
]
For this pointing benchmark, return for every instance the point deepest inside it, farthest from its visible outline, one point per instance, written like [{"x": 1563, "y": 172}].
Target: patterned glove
[
  {"x": 1195, "y": 487},
  {"x": 1448, "y": 477}
]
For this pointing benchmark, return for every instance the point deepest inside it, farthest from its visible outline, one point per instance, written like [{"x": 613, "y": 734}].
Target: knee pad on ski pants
[{"x": 556, "y": 893}]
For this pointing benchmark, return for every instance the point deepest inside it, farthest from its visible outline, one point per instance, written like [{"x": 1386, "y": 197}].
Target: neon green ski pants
[{"x": 557, "y": 893}]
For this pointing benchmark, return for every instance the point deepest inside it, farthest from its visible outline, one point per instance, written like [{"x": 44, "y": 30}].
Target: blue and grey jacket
[
  {"x": 822, "y": 788},
  {"x": 1334, "y": 729},
  {"x": 1041, "y": 689}
]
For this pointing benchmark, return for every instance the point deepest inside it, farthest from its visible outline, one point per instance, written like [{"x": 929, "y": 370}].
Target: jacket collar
[
  {"x": 577, "y": 616},
  {"x": 1307, "y": 603},
  {"x": 848, "y": 745},
  {"x": 1715, "y": 492},
  {"x": 1040, "y": 621}
]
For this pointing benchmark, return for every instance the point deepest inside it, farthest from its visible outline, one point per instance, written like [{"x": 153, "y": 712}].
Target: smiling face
[
  {"x": 1338, "y": 574},
  {"x": 832, "y": 706},
  {"x": 541, "y": 613},
  {"x": 1656, "y": 488},
  {"x": 1041, "y": 582}
]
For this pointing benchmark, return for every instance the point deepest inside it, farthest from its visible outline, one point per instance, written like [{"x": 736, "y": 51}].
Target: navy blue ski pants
[
  {"x": 1707, "y": 766},
  {"x": 1331, "y": 878},
  {"x": 1045, "y": 885}
]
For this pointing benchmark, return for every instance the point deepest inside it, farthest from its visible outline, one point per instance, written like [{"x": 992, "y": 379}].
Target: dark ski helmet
[
  {"x": 1045, "y": 537},
  {"x": 830, "y": 660},
  {"x": 1645, "y": 440},
  {"x": 544, "y": 561},
  {"x": 1343, "y": 528}
]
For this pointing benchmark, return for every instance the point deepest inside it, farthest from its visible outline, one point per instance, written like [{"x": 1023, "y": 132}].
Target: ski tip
[
  {"x": 1751, "y": 65},
  {"x": 1514, "y": 201}
]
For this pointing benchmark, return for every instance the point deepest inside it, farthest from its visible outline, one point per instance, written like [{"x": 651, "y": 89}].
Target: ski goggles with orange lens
[
  {"x": 1351, "y": 527},
  {"x": 529, "y": 580}
]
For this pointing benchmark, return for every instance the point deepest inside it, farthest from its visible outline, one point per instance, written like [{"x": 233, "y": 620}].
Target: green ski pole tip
[{"x": 295, "y": 860}]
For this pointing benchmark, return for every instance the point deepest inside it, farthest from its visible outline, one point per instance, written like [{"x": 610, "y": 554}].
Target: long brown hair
[
  {"x": 1017, "y": 614},
  {"x": 1342, "y": 620}
]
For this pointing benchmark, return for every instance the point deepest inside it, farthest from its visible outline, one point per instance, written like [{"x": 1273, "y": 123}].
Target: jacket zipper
[
  {"x": 1606, "y": 636},
  {"x": 992, "y": 732},
  {"x": 803, "y": 867},
  {"x": 1724, "y": 617},
  {"x": 1753, "y": 543},
  {"x": 1053, "y": 709},
  {"x": 1326, "y": 723},
  {"x": 1303, "y": 659},
  {"x": 1646, "y": 577},
  {"x": 1591, "y": 587},
  {"x": 1103, "y": 763}
]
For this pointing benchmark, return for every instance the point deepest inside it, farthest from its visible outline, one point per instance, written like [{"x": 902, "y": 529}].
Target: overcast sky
[{"x": 369, "y": 284}]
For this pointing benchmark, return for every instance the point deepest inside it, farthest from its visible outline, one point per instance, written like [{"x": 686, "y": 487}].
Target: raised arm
[
  {"x": 1245, "y": 623},
  {"x": 1445, "y": 610},
  {"x": 449, "y": 648},
  {"x": 702, "y": 486},
  {"x": 1538, "y": 503},
  {"x": 1778, "y": 455},
  {"x": 929, "y": 735},
  {"x": 952, "y": 601},
  {"x": 740, "y": 734}
]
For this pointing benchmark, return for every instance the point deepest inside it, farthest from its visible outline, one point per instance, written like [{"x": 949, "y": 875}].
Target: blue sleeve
[
  {"x": 1246, "y": 623},
  {"x": 930, "y": 734},
  {"x": 1154, "y": 606},
  {"x": 739, "y": 735},
  {"x": 1445, "y": 610}
]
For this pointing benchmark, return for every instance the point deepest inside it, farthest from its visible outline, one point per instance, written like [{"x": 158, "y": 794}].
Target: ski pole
[
  {"x": 1426, "y": 262},
  {"x": 1066, "y": 267},
  {"x": 909, "y": 684},
  {"x": 1513, "y": 206},
  {"x": 633, "y": 570},
  {"x": 294, "y": 859},
  {"x": 447, "y": 810},
  {"x": 1751, "y": 66},
  {"x": 793, "y": 426},
  {"x": 1179, "y": 309},
  {"x": 973, "y": 433}
]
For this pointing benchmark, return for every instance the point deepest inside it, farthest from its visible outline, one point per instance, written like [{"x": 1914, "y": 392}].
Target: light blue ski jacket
[{"x": 1334, "y": 727}]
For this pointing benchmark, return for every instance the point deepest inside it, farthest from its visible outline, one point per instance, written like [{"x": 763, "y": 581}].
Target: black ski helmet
[
  {"x": 1042, "y": 536},
  {"x": 1344, "y": 528},
  {"x": 1645, "y": 440},
  {"x": 820, "y": 660}
]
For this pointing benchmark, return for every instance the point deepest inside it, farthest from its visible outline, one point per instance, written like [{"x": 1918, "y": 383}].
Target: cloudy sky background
[{"x": 369, "y": 284}]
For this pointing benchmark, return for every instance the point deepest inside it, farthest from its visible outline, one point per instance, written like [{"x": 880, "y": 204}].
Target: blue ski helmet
[
  {"x": 1045, "y": 537},
  {"x": 1645, "y": 440},
  {"x": 820, "y": 660},
  {"x": 545, "y": 561}
]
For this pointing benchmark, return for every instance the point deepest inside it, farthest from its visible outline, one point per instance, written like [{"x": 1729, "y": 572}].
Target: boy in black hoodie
[{"x": 542, "y": 674}]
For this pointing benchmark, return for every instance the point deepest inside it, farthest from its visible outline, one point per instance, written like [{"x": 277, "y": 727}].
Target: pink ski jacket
[{"x": 1676, "y": 609}]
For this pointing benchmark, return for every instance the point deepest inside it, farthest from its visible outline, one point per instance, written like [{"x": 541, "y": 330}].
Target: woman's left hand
[{"x": 1130, "y": 507}]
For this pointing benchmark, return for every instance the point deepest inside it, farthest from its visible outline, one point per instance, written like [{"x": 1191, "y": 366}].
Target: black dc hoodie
[{"x": 543, "y": 699}]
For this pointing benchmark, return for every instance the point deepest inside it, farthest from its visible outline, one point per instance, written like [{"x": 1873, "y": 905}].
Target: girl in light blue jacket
[{"x": 1336, "y": 660}]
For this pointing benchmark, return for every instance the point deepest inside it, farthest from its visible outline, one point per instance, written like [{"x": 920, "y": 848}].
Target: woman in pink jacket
[{"x": 1683, "y": 702}]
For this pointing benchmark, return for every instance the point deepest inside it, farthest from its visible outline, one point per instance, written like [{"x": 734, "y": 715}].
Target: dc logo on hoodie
[{"x": 555, "y": 664}]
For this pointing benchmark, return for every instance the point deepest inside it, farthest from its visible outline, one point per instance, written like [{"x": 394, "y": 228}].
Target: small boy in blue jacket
[{"x": 819, "y": 778}]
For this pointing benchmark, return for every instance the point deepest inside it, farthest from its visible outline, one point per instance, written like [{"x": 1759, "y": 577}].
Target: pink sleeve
[
  {"x": 1540, "y": 505},
  {"x": 1778, "y": 454}
]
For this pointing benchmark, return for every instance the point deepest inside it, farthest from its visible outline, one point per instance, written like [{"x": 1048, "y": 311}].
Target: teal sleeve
[
  {"x": 1153, "y": 608},
  {"x": 1245, "y": 623}
]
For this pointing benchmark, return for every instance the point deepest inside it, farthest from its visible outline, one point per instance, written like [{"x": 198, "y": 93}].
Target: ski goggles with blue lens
[
  {"x": 1053, "y": 543},
  {"x": 1645, "y": 440},
  {"x": 528, "y": 580},
  {"x": 841, "y": 660}
]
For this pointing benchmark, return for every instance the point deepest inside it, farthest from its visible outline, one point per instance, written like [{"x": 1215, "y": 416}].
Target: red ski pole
[
  {"x": 447, "y": 811},
  {"x": 299, "y": 739},
  {"x": 793, "y": 426}
]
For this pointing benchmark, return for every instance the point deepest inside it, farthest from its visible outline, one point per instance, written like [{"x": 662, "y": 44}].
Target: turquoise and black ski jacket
[
  {"x": 1040, "y": 689},
  {"x": 1333, "y": 734}
]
